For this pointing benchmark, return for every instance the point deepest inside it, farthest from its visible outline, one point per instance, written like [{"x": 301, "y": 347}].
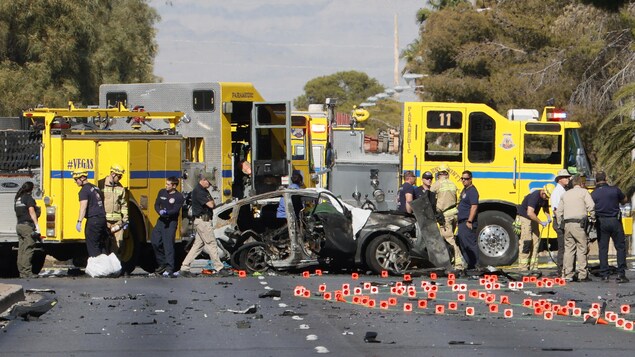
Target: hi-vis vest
[{"x": 446, "y": 196}]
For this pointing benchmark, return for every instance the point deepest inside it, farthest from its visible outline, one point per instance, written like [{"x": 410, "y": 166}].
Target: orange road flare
[
  {"x": 322, "y": 288},
  {"x": 548, "y": 315},
  {"x": 242, "y": 274},
  {"x": 355, "y": 276},
  {"x": 453, "y": 305},
  {"x": 432, "y": 295},
  {"x": 407, "y": 277},
  {"x": 439, "y": 309},
  {"x": 422, "y": 304},
  {"x": 493, "y": 308},
  {"x": 383, "y": 304},
  {"x": 460, "y": 297},
  {"x": 327, "y": 296},
  {"x": 318, "y": 272},
  {"x": 306, "y": 274},
  {"x": 384, "y": 273},
  {"x": 407, "y": 307}
]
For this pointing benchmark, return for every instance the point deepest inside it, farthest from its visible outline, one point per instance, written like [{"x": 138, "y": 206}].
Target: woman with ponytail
[{"x": 27, "y": 228}]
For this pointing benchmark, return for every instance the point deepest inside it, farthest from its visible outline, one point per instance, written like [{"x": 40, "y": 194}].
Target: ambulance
[{"x": 230, "y": 124}]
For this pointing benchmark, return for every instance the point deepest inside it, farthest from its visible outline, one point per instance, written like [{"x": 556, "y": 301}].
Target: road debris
[{"x": 250, "y": 310}]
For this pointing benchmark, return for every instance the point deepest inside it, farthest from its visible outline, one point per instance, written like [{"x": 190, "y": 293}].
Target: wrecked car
[{"x": 319, "y": 229}]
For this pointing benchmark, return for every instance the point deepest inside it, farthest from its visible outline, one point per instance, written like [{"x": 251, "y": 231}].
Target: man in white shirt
[{"x": 562, "y": 184}]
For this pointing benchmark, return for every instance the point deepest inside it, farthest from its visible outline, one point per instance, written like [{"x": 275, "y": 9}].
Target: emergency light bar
[{"x": 556, "y": 115}]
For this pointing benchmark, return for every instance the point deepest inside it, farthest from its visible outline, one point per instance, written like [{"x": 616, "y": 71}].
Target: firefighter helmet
[
  {"x": 116, "y": 168},
  {"x": 79, "y": 173},
  {"x": 443, "y": 168},
  {"x": 548, "y": 189}
]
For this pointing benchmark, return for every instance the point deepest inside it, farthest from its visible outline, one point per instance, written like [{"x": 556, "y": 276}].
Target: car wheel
[
  {"x": 497, "y": 243},
  {"x": 252, "y": 258},
  {"x": 388, "y": 253}
]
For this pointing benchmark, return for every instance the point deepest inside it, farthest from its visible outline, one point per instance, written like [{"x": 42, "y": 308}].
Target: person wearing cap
[
  {"x": 574, "y": 206},
  {"x": 202, "y": 209},
  {"x": 529, "y": 225},
  {"x": 27, "y": 228},
  {"x": 446, "y": 191},
  {"x": 116, "y": 206},
  {"x": 91, "y": 207},
  {"x": 467, "y": 217},
  {"x": 607, "y": 201},
  {"x": 563, "y": 177},
  {"x": 407, "y": 192},
  {"x": 168, "y": 205},
  {"x": 424, "y": 189}
]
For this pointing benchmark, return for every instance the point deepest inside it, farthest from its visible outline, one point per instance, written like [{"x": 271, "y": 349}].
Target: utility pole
[{"x": 396, "y": 54}]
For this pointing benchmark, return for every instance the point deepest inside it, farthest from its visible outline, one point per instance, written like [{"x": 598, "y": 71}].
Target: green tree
[
  {"x": 617, "y": 148},
  {"x": 516, "y": 54},
  {"x": 52, "y": 51},
  {"x": 350, "y": 88}
]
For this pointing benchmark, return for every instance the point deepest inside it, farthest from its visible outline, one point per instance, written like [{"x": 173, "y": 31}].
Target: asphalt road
[{"x": 140, "y": 315}]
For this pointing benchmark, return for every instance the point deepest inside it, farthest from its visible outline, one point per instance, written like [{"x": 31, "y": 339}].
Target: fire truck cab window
[
  {"x": 542, "y": 149},
  {"x": 481, "y": 138},
  {"x": 443, "y": 146},
  {"x": 203, "y": 100}
]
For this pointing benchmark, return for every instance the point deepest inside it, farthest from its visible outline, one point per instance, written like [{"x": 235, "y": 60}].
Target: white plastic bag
[{"x": 103, "y": 265}]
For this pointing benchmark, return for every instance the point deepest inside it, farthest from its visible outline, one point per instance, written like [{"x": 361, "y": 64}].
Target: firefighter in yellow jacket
[
  {"x": 116, "y": 205},
  {"x": 446, "y": 192}
]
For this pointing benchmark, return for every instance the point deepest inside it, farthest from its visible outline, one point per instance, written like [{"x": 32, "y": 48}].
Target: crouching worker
[
  {"x": 27, "y": 229},
  {"x": 168, "y": 205}
]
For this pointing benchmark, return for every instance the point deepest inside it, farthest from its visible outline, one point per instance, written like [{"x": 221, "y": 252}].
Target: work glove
[
  {"x": 548, "y": 220},
  {"x": 163, "y": 212},
  {"x": 125, "y": 226},
  {"x": 115, "y": 228},
  {"x": 544, "y": 223},
  {"x": 78, "y": 226}
]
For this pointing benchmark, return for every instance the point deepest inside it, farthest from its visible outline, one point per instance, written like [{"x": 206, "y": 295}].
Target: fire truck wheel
[
  {"x": 8, "y": 262},
  {"x": 497, "y": 243},
  {"x": 37, "y": 262},
  {"x": 387, "y": 253}
]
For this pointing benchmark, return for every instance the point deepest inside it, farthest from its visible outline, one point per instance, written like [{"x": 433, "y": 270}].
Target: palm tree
[{"x": 616, "y": 152}]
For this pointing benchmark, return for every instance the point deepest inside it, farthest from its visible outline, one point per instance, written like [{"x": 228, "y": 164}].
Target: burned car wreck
[{"x": 318, "y": 229}]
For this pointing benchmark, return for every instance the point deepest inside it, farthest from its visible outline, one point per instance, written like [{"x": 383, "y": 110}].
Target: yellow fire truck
[
  {"x": 230, "y": 122},
  {"x": 509, "y": 157},
  {"x": 72, "y": 138}
]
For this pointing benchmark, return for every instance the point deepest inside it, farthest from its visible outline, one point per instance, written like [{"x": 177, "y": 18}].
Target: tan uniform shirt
[
  {"x": 446, "y": 196},
  {"x": 575, "y": 204}
]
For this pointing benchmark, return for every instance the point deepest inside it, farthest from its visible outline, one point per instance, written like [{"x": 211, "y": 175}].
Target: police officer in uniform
[
  {"x": 529, "y": 225},
  {"x": 574, "y": 206},
  {"x": 91, "y": 207},
  {"x": 168, "y": 205},
  {"x": 467, "y": 218},
  {"x": 607, "y": 210},
  {"x": 202, "y": 208},
  {"x": 446, "y": 192},
  {"x": 27, "y": 228}
]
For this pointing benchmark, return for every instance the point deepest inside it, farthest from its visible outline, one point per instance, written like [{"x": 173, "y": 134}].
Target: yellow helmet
[
  {"x": 116, "y": 168},
  {"x": 443, "y": 168},
  {"x": 79, "y": 173},
  {"x": 549, "y": 189}
]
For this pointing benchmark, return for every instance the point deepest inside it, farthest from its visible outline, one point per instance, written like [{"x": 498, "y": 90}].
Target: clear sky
[{"x": 279, "y": 45}]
